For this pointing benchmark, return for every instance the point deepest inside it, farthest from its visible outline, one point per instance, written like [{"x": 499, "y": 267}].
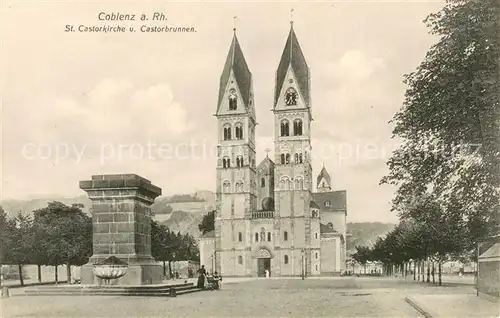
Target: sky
[{"x": 78, "y": 104}]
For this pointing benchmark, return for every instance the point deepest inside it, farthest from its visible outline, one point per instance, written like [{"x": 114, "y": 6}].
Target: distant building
[{"x": 267, "y": 216}]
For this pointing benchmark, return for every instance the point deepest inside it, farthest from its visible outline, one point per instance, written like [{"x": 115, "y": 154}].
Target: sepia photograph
[{"x": 250, "y": 158}]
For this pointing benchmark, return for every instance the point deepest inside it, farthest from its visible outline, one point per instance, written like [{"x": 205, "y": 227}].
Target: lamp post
[{"x": 302, "y": 251}]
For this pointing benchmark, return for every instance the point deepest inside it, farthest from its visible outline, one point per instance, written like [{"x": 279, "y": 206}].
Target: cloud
[{"x": 356, "y": 66}]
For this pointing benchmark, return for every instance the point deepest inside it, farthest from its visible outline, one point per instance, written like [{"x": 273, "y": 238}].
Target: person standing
[
  {"x": 201, "y": 277},
  {"x": 267, "y": 273}
]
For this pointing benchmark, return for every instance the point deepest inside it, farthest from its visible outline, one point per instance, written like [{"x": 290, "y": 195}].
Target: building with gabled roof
[{"x": 268, "y": 217}]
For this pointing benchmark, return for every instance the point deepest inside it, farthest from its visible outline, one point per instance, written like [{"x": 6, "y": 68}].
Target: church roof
[
  {"x": 323, "y": 174},
  {"x": 266, "y": 162},
  {"x": 325, "y": 229},
  {"x": 331, "y": 201},
  {"x": 236, "y": 62},
  {"x": 314, "y": 205},
  {"x": 292, "y": 55}
]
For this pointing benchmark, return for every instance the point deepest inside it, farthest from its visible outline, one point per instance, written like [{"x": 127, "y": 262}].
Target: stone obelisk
[{"x": 121, "y": 219}]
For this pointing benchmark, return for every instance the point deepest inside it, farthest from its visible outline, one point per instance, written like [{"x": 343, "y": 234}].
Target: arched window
[
  {"x": 299, "y": 183},
  {"x": 262, "y": 182},
  {"x": 262, "y": 234},
  {"x": 327, "y": 203},
  {"x": 286, "y": 259},
  {"x": 256, "y": 237},
  {"x": 285, "y": 158},
  {"x": 239, "y": 131},
  {"x": 298, "y": 158},
  {"x": 288, "y": 184},
  {"x": 297, "y": 127},
  {"x": 240, "y": 259},
  {"x": 239, "y": 186},
  {"x": 316, "y": 235},
  {"x": 285, "y": 128},
  {"x": 239, "y": 161},
  {"x": 226, "y": 162},
  {"x": 233, "y": 100},
  {"x": 285, "y": 236},
  {"x": 227, "y": 132},
  {"x": 316, "y": 255},
  {"x": 226, "y": 186},
  {"x": 316, "y": 267},
  {"x": 269, "y": 236},
  {"x": 240, "y": 237}
]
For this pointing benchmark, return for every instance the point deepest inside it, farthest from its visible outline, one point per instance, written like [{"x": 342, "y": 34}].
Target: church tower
[
  {"x": 323, "y": 182},
  {"x": 293, "y": 170},
  {"x": 236, "y": 171}
]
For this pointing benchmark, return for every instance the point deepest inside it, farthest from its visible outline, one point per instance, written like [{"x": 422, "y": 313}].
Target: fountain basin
[{"x": 110, "y": 268}]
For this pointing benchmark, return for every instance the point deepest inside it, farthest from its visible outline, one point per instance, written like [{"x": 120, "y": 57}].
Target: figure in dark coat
[{"x": 201, "y": 277}]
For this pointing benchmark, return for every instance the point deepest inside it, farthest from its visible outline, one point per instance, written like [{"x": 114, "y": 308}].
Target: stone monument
[{"x": 121, "y": 224}]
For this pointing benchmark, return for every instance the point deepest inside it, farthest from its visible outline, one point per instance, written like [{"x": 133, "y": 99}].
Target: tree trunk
[
  {"x": 440, "y": 273},
  {"x": 21, "y": 278},
  {"x": 414, "y": 270},
  {"x": 418, "y": 270},
  {"x": 423, "y": 271},
  {"x": 428, "y": 272},
  {"x": 365, "y": 268},
  {"x": 164, "y": 269},
  {"x": 68, "y": 273},
  {"x": 39, "y": 272},
  {"x": 169, "y": 269},
  {"x": 55, "y": 276},
  {"x": 433, "y": 273}
]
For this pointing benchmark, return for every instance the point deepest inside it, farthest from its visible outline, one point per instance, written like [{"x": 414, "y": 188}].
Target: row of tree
[
  {"x": 447, "y": 169},
  {"x": 62, "y": 235}
]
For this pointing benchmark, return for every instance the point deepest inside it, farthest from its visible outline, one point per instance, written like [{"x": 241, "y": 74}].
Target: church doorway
[{"x": 262, "y": 265}]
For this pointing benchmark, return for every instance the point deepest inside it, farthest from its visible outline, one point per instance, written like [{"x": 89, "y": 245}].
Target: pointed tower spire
[
  {"x": 324, "y": 182},
  {"x": 293, "y": 57},
  {"x": 236, "y": 63}
]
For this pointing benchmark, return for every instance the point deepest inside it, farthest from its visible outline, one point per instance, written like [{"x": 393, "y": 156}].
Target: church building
[{"x": 268, "y": 217}]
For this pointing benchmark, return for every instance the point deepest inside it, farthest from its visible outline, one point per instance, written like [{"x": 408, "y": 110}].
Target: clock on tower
[{"x": 291, "y": 97}]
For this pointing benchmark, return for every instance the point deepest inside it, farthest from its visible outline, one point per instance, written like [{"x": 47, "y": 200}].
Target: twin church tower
[{"x": 268, "y": 219}]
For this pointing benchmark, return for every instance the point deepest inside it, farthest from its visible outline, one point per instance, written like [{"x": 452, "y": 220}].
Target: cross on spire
[
  {"x": 234, "y": 23},
  {"x": 291, "y": 16},
  {"x": 267, "y": 152}
]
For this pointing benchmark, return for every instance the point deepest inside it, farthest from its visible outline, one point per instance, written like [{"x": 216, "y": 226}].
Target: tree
[
  {"x": 362, "y": 255},
  {"x": 160, "y": 244},
  {"x": 207, "y": 223},
  {"x": 67, "y": 233},
  {"x": 450, "y": 128},
  {"x": 3, "y": 239},
  {"x": 18, "y": 244},
  {"x": 167, "y": 246}
]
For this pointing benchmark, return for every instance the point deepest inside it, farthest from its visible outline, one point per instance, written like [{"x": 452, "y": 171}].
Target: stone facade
[
  {"x": 267, "y": 217},
  {"x": 121, "y": 220}
]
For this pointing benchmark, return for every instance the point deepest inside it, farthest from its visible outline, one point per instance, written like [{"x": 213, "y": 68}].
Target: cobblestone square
[{"x": 336, "y": 297}]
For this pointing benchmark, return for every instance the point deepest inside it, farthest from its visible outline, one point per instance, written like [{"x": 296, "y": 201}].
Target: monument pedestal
[{"x": 121, "y": 219}]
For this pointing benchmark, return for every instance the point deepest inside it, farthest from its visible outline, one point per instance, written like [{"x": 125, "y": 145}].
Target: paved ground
[
  {"x": 455, "y": 306},
  {"x": 340, "y": 297}
]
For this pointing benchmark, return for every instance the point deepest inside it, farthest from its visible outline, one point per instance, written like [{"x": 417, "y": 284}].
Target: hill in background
[
  {"x": 366, "y": 233},
  {"x": 184, "y": 212}
]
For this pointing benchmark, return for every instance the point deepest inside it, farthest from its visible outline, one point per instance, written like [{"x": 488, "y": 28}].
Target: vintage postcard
[{"x": 250, "y": 158}]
